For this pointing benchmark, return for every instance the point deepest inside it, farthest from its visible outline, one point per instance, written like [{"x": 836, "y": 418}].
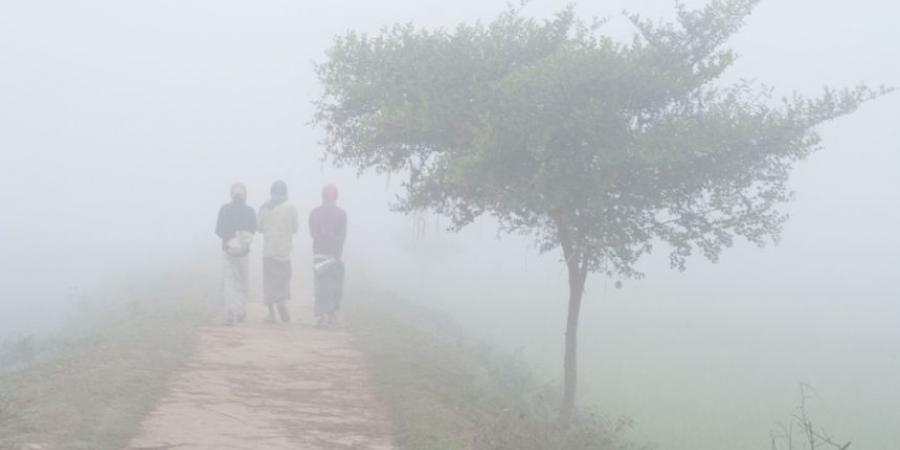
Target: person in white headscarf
[{"x": 235, "y": 227}]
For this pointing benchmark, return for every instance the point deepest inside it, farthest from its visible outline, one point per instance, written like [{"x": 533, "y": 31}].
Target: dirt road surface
[{"x": 261, "y": 386}]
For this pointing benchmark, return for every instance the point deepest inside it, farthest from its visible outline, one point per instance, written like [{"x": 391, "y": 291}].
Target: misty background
[{"x": 122, "y": 125}]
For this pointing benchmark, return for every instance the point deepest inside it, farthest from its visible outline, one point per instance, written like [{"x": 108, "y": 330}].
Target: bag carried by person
[{"x": 239, "y": 245}]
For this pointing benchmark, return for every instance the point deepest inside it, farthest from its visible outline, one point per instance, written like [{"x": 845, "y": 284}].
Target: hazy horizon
[{"x": 122, "y": 125}]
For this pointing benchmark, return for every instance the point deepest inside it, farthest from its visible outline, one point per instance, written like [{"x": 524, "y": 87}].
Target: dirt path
[{"x": 258, "y": 386}]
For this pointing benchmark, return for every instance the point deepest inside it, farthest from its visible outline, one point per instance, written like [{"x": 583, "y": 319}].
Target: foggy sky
[{"x": 122, "y": 125}]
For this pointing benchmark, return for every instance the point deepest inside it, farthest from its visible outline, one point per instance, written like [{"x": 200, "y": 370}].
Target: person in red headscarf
[{"x": 328, "y": 227}]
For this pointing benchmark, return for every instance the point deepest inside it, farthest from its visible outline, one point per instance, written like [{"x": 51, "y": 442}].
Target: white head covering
[{"x": 239, "y": 189}]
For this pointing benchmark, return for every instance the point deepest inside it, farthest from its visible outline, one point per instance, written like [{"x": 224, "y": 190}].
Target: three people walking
[{"x": 278, "y": 223}]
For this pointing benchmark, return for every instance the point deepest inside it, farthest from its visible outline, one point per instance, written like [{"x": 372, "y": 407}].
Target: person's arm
[
  {"x": 251, "y": 220},
  {"x": 261, "y": 220},
  {"x": 295, "y": 218},
  {"x": 340, "y": 233},
  {"x": 220, "y": 224},
  {"x": 313, "y": 229},
  {"x": 342, "y": 228}
]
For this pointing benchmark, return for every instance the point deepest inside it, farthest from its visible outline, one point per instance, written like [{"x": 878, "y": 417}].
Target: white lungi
[{"x": 235, "y": 283}]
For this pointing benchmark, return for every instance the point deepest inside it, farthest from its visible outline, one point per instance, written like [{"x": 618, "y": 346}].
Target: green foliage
[{"x": 560, "y": 132}]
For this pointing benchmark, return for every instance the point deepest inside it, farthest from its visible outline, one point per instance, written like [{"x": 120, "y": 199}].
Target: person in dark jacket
[
  {"x": 235, "y": 226},
  {"x": 328, "y": 227}
]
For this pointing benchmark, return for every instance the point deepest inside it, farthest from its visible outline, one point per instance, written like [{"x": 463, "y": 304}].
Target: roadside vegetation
[
  {"x": 448, "y": 391},
  {"x": 88, "y": 386}
]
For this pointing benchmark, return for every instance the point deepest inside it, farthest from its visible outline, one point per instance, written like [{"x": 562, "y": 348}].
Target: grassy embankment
[
  {"x": 447, "y": 391},
  {"x": 88, "y": 386}
]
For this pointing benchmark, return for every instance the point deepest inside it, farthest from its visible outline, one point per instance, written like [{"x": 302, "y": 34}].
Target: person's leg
[
  {"x": 321, "y": 298},
  {"x": 318, "y": 291},
  {"x": 269, "y": 280},
  {"x": 283, "y": 312},
  {"x": 336, "y": 291},
  {"x": 286, "y": 272},
  {"x": 243, "y": 269},
  {"x": 229, "y": 288}
]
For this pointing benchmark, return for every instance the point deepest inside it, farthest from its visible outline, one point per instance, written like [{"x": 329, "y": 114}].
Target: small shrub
[
  {"x": 801, "y": 433},
  {"x": 536, "y": 427}
]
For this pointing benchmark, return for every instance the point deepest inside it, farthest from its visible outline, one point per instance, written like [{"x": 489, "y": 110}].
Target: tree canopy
[
  {"x": 550, "y": 126},
  {"x": 598, "y": 147}
]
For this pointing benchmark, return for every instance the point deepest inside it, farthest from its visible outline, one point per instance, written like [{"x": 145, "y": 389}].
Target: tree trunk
[{"x": 577, "y": 275}]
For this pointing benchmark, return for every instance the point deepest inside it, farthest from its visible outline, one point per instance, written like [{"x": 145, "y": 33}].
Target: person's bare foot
[
  {"x": 284, "y": 313},
  {"x": 270, "y": 318}
]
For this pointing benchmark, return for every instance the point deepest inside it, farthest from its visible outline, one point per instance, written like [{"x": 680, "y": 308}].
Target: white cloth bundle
[{"x": 239, "y": 245}]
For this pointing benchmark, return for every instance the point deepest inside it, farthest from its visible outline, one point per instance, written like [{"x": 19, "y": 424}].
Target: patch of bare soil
[{"x": 262, "y": 386}]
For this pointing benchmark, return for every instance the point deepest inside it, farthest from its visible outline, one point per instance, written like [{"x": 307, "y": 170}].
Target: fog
[{"x": 122, "y": 124}]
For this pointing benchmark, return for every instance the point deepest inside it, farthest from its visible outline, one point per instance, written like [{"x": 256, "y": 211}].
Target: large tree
[{"x": 599, "y": 148}]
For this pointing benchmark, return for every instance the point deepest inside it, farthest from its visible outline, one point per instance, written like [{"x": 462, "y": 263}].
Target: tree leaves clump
[{"x": 564, "y": 134}]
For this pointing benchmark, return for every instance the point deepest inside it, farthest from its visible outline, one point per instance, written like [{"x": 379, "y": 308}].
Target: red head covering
[{"x": 329, "y": 193}]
